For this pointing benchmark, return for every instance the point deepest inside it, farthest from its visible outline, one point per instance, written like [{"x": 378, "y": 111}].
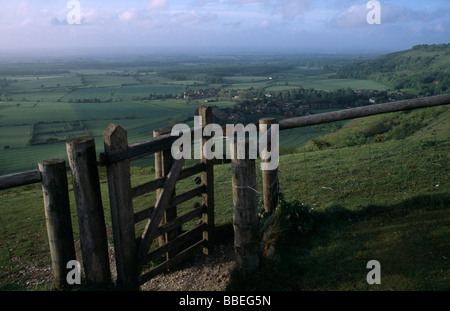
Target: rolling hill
[{"x": 424, "y": 69}]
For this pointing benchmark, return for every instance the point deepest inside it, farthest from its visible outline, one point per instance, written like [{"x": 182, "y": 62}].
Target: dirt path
[{"x": 201, "y": 273}]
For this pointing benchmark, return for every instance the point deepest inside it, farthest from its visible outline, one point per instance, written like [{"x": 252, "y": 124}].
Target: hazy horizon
[{"x": 217, "y": 27}]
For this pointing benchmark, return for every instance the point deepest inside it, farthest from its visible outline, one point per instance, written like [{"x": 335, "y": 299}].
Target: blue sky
[{"x": 292, "y": 26}]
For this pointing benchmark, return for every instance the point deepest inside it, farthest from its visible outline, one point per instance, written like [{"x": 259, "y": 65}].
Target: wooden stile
[
  {"x": 160, "y": 207},
  {"x": 163, "y": 163},
  {"x": 121, "y": 203},
  {"x": 94, "y": 246}
]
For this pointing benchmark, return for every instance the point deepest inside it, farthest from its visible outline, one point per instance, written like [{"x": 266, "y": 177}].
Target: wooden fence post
[
  {"x": 163, "y": 164},
  {"x": 57, "y": 217},
  {"x": 269, "y": 177},
  {"x": 207, "y": 177},
  {"x": 86, "y": 186},
  {"x": 245, "y": 211},
  {"x": 122, "y": 214}
]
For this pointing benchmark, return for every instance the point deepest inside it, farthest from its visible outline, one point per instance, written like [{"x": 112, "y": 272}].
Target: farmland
[
  {"x": 42, "y": 105},
  {"x": 366, "y": 189}
]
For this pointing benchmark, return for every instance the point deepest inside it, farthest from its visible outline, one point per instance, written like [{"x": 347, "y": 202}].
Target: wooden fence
[{"x": 131, "y": 251}]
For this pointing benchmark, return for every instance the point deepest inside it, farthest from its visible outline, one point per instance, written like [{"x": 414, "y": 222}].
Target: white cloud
[
  {"x": 217, "y": 22},
  {"x": 128, "y": 15},
  {"x": 440, "y": 27},
  {"x": 354, "y": 16},
  {"x": 295, "y": 8},
  {"x": 289, "y": 9},
  {"x": 264, "y": 24},
  {"x": 187, "y": 19},
  {"x": 157, "y": 4}
]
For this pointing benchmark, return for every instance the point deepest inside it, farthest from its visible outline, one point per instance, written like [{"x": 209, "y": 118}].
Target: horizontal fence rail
[
  {"x": 20, "y": 179},
  {"x": 140, "y": 149},
  {"x": 153, "y": 145},
  {"x": 365, "y": 111}
]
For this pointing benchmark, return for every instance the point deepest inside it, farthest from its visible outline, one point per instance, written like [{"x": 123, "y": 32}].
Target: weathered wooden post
[
  {"x": 207, "y": 177},
  {"x": 269, "y": 177},
  {"x": 86, "y": 186},
  {"x": 245, "y": 210},
  {"x": 122, "y": 214},
  {"x": 163, "y": 163},
  {"x": 57, "y": 217}
]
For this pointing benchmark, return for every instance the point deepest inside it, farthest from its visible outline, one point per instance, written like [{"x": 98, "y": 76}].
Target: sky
[{"x": 223, "y": 26}]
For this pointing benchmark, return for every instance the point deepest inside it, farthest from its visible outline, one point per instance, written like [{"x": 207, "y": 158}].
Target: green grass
[
  {"x": 244, "y": 79},
  {"x": 30, "y": 83},
  {"x": 14, "y": 136},
  {"x": 17, "y": 113},
  {"x": 323, "y": 82},
  {"x": 97, "y": 81},
  {"x": 408, "y": 239},
  {"x": 144, "y": 91},
  {"x": 21, "y": 159},
  {"x": 297, "y": 137},
  {"x": 387, "y": 201},
  {"x": 90, "y": 93}
]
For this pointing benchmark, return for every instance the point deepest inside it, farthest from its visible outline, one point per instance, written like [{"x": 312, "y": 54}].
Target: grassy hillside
[
  {"x": 423, "y": 69},
  {"x": 346, "y": 205},
  {"x": 385, "y": 200}
]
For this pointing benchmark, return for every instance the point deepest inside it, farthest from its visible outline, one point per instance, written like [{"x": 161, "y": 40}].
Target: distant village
[{"x": 255, "y": 103}]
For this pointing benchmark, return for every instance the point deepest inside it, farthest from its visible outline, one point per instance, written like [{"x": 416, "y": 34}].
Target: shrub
[
  {"x": 321, "y": 143},
  {"x": 290, "y": 218}
]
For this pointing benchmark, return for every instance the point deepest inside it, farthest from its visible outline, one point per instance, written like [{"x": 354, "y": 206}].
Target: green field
[
  {"x": 323, "y": 82},
  {"x": 39, "y": 112},
  {"x": 16, "y": 136},
  {"x": 131, "y": 91}
]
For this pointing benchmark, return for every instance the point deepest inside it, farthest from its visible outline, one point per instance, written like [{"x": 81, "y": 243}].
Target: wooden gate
[{"x": 132, "y": 248}]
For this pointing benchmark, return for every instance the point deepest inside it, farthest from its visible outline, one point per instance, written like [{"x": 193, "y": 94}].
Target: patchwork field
[{"x": 39, "y": 112}]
